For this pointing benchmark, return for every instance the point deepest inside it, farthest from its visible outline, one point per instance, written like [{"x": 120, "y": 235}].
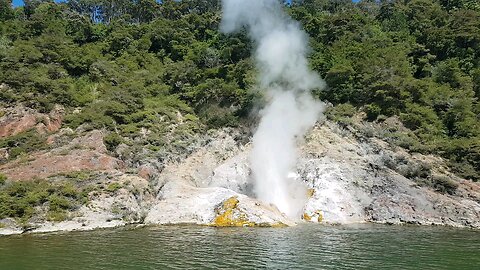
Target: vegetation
[
  {"x": 416, "y": 59},
  {"x": 444, "y": 184},
  {"x": 3, "y": 179},
  {"x": 113, "y": 187},
  {"x": 22, "y": 200},
  {"x": 137, "y": 66},
  {"x": 23, "y": 143}
]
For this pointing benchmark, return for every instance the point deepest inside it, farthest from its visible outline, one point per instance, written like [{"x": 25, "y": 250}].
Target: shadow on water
[{"x": 306, "y": 246}]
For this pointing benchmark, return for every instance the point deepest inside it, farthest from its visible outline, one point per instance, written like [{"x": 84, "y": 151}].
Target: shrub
[
  {"x": 113, "y": 187},
  {"x": 413, "y": 170},
  {"x": 3, "y": 179},
  {"x": 58, "y": 202},
  {"x": 373, "y": 111},
  {"x": 342, "y": 110},
  {"x": 19, "y": 200},
  {"x": 112, "y": 140},
  {"x": 24, "y": 142},
  {"x": 59, "y": 215},
  {"x": 341, "y": 113},
  {"x": 78, "y": 176},
  {"x": 444, "y": 184}
]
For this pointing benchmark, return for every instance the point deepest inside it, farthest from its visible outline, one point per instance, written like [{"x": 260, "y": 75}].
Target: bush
[
  {"x": 414, "y": 170},
  {"x": 373, "y": 111},
  {"x": 341, "y": 113},
  {"x": 112, "y": 140},
  {"x": 78, "y": 176},
  {"x": 3, "y": 179},
  {"x": 113, "y": 187},
  {"x": 444, "y": 184},
  {"x": 19, "y": 200},
  {"x": 57, "y": 216},
  {"x": 24, "y": 142},
  {"x": 58, "y": 202}
]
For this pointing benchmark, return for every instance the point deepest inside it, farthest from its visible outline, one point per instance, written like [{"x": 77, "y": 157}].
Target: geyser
[{"x": 280, "y": 54}]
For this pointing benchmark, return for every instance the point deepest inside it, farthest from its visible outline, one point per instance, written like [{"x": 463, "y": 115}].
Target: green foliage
[
  {"x": 154, "y": 72},
  {"x": 6, "y": 11},
  {"x": 23, "y": 143},
  {"x": 3, "y": 179},
  {"x": 444, "y": 184},
  {"x": 414, "y": 59},
  {"x": 341, "y": 113},
  {"x": 113, "y": 187},
  {"x": 422, "y": 119},
  {"x": 20, "y": 199},
  {"x": 373, "y": 111},
  {"x": 112, "y": 140},
  {"x": 78, "y": 176}
]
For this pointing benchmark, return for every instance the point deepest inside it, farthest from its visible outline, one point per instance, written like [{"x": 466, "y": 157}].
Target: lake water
[{"x": 301, "y": 247}]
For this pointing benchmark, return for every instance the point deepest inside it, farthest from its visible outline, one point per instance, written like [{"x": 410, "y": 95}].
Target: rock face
[
  {"x": 354, "y": 182},
  {"x": 215, "y": 206},
  {"x": 195, "y": 189},
  {"x": 128, "y": 205},
  {"x": 352, "y": 178},
  {"x": 84, "y": 153},
  {"x": 20, "y": 119}
]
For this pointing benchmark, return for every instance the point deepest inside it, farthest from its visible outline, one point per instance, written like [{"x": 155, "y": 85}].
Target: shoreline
[{"x": 56, "y": 228}]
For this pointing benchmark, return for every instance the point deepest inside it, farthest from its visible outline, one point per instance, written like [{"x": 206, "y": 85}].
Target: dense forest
[{"x": 128, "y": 66}]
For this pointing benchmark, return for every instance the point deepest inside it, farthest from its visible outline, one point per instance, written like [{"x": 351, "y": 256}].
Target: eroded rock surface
[
  {"x": 20, "y": 119},
  {"x": 127, "y": 205},
  {"x": 351, "y": 178},
  {"x": 215, "y": 206},
  {"x": 84, "y": 153},
  {"x": 353, "y": 182}
]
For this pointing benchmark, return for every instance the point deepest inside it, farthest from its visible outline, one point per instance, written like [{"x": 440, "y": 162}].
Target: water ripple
[{"x": 301, "y": 247}]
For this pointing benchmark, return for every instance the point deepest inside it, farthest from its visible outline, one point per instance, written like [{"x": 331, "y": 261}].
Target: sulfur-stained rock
[
  {"x": 306, "y": 217},
  {"x": 181, "y": 203},
  {"x": 349, "y": 180},
  {"x": 228, "y": 215}
]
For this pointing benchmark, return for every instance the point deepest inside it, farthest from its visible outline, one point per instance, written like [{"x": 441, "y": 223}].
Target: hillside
[{"x": 113, "y": 114}]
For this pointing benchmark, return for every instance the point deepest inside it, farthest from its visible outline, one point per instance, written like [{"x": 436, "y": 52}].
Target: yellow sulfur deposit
[
  {"x": 230, "y": 216},
  {"x": 307, "y": 217},
  {"x": 320, "y": 216}
]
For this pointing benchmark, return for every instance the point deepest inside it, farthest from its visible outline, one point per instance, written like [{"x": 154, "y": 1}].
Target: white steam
[{"x": 281, "y": 48}]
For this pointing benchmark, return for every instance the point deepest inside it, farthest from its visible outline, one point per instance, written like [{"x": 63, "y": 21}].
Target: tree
[{"x": 6, "y": 11}]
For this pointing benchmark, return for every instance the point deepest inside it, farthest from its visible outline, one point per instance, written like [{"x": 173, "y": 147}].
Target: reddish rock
[
  {"x": 146, "y": 172},
  {"x": 52, "y": 122},
  {"x": 470, "y": 189},
  {"x": 14, "y": 126},
  {"x": 85, "y": 153},
  {"x": 51, "y": 139},
  {"x": 20, "y": 119},
  {"x": 93, "y": 140}
]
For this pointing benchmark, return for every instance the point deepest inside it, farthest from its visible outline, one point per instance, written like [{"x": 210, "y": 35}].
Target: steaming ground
[
  {"x": 280, "y": 54},
  {"x": 352, "y": 177},
  {"x": 348, "y": 176}
]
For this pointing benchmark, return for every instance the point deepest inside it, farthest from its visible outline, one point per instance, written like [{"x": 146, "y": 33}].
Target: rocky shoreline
[{"x": 352, "y": 178}]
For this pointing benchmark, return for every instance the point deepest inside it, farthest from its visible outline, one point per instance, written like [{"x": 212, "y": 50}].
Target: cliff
[{"x": 353, "y": 176}]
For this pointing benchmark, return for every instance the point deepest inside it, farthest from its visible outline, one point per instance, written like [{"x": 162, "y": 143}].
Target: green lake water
[{"x": 300, "y": 247}]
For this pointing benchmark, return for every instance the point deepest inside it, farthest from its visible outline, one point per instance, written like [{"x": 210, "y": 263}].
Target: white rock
[{"x": 180, "y": 203}]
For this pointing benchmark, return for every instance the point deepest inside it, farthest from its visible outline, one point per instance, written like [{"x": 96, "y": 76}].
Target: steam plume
[{"x": 280, "y": 54}]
